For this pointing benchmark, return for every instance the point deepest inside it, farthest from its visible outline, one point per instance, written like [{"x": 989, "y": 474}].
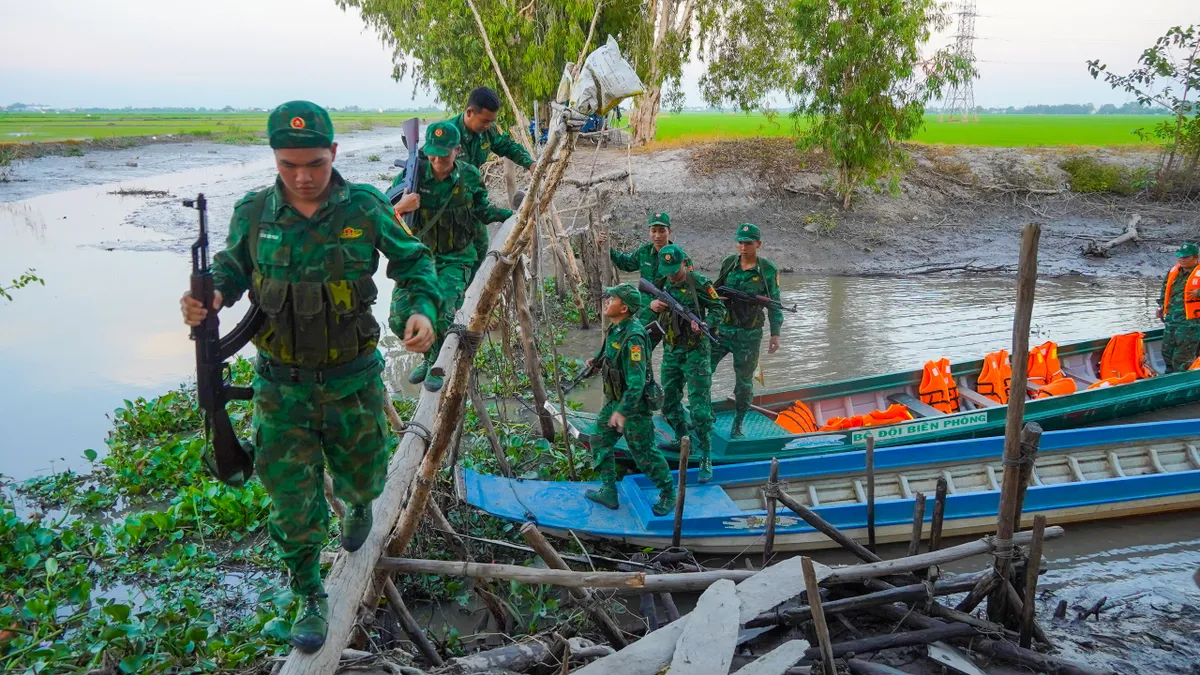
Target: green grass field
[
  {"x": 990, "y": 130},
  {"x": 38, "y": 127}
]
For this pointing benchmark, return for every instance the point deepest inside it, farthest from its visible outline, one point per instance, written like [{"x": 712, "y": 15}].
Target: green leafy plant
[{"x": 29, "y": 277}]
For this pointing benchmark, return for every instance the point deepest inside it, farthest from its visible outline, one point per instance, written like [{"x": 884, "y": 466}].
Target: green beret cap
[
  {"x": 670, "y": 259},
  {"x": 299, "y": 124},
  {"x": 659, "y": 219},
  {"x": 628, "y": 293},
  {"x": 1188, "y": 249},
  {"x": 748, "y": 232},
  {"x": 441, "y": 138}
]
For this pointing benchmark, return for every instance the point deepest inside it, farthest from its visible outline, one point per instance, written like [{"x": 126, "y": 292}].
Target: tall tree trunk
[{"x": 644, "y": 121}]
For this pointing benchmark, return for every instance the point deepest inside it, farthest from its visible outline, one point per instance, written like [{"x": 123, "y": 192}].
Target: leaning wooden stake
[
  {"x": 685, "y": 449},
  {"x": 813, "y": 589},
  {"x": 410, "y": 625},
  {"x": 484, "y": 591},
  {"x": 871, "y": 492},
  {"x": 533, "y": 361},
  {"x": 939, "y": 512},
  {"x": 485, "y": 417},
  {"x": 823, "y": 525},
  {"x": 1026, "y": 284},
  {"x": 1031, "y": 440},
  {"x": 769, "y": 544},
  {"x": 1031, "y": 579},
  {"x": 914, "y": 543},
  {"x": 533, "y": 536}
]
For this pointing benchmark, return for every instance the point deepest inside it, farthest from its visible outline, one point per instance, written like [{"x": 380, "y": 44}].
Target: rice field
[{"x": 990, "y": 130}]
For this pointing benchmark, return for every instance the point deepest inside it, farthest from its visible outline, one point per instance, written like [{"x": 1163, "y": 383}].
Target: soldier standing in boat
[
  {"x": 686, "y": 356},
  {"x": 1179, "y": 309},
  {"x": 645, "y": 260},
  {"x": 625, "y": 361},
  {"x": 308, "y": 246},
  {"x": 740, "y": 333},
  {"x": 452, "y": 213}
]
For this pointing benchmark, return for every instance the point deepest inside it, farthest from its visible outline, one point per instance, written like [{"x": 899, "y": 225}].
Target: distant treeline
[
  {"x": 1131, "y": 108},
  {"x": 35, "y": 107}
]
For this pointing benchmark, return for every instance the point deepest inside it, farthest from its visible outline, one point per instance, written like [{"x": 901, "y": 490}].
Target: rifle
[
  {"x": 761, "y": 300},
  {"x": 675, "y": 306},
  {"x": 412, "y": 174},
  {"x": 597, "y": 364},
  {"x": 230, "y": 461}
]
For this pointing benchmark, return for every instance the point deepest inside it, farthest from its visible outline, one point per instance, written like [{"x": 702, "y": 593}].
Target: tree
[
  {"x": 852, "y": 69},
  {"x": 1168, "y": 75},
  {"x": 659, "y": 48}
]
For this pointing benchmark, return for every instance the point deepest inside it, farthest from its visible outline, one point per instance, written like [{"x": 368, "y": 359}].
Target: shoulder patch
[
  {"x": 635, "y": 353},
  {"x": 712, "y": 293}
]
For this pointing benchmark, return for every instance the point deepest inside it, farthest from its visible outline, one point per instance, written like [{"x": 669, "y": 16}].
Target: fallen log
[
  {"x": 1103, "y": 250},
  {"x": 619, "y": 174},
  {"x": 778, "y": 661},
  {"x": 533, "y": 536},
  {"x": 707, "y": 642},
  {"x": 524, "y": 656},
  {"x": 795, "y": 615},
  {"x": 860, "y": 667},
  {"x": 893, "y": 640}
]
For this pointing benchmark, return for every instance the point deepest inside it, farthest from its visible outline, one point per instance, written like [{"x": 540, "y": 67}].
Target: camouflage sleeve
[
  {"x": 484, "y": 211},
  {"x": 482, "y": 243},
  {"x": 626, "y": 262},
  {"x": 1161, "y": 294},
  {"x": 505, "y": 146},
  {"x": 774, "y": 314},
  {"x": 714, "y": 309},
  {"x": 635, "y": 355},
  {"x": 410, "y": 265},
  {"x": 232, "y": 266}
]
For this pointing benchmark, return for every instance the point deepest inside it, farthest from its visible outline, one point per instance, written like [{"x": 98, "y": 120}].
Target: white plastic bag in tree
[
  {"x": 605, "y": 80},
  {"x": 564, "y": 85}
]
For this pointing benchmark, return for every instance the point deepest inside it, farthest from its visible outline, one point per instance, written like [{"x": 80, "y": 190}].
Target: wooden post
[
  {"x": 1031, "y": 579},
  {"x": 481, "y": 411},
  {"x": 1026, "y": 285},
  {"x": 685, "y": 449},
  {"x": 769, "y": 545},
  {"x": 871, "y": 492},
  {"x": 562, "y": 409},
  {"x": 669, "y": 605},
  {"x": 822, "y": 629},
  {"x": 510, "y": 180},
  {"x": 939, "y": 512},
  {"x": 824, "y": 527},
  {"x": 486, "y": 594},
  {"x": 410, "y": 625},
  {"x": 533, "y": 536},
  {"x": 914, "y": 543},
  {"x": 533, "y": 361},
  {"x": 1031, "y": 440}
]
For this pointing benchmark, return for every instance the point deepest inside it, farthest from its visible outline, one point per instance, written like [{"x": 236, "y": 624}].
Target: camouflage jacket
[
  {"x": 475, "y": 147},
  {"x": 697, "y": 294},
  {"x": 762, "y": 279},
  {"x": 625, "y": 361},
  {"x": 454, "y": 211}
]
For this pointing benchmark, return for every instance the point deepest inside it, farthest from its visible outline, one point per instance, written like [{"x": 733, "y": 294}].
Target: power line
[{"x": 962, "y": 97}]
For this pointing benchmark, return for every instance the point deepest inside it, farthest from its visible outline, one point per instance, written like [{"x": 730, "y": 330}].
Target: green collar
[
  {"x": 427, "y": 177},
  {"x": 339, "y": 193},
  {"x": 461, "y": 122}
]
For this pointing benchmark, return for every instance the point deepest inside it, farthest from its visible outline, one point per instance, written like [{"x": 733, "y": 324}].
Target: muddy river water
[{"x": 106, "y": 327}]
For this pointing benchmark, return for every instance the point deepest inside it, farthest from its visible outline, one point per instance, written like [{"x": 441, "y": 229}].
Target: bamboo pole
[
  {"x": 818, "y": 616},
  {"x": 939, "y": 512},
  {"x": 914, "y": 543},
  {"x": 410, "y": 625},
  {"x": 1026, "y": 285},
  {"x": 685, "y": 449},
  {"x": 533, "y": 537},
  {"x": 1031, "y": 578},
  {"x": 533, "y": 361},
  {"x": 871, "y": 492},
  {"x": 796, "y": 615},
  {"x": 769, "y": 544},
  {"x": 485, "y": 417},
  {"x": 823, "y": 526}
]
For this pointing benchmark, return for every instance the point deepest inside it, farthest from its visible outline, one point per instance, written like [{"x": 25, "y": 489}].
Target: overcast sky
[{"x": 114, "y": 53}]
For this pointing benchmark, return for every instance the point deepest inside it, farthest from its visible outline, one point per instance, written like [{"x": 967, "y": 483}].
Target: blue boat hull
[{"x": 724, "y": 516}]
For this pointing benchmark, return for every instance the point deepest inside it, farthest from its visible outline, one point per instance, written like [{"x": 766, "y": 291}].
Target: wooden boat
[
  {"x": 1080, "y": 475},
  {"x": 979, "y": 417}
]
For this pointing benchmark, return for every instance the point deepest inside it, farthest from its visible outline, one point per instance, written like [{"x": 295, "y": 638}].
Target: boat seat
[
  {"x": 915, "y": 406},
  {"x": 975, "y": 397},
  {"x": 1079, "y": 377}
]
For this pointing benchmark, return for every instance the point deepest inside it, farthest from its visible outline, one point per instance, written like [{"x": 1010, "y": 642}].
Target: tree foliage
[
  {"x": 853, "y": 68},
  {"x": 27, "y": 278},
  {"x": 1168, "y": 75}
]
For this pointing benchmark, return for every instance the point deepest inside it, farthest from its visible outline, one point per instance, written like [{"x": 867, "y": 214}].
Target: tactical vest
[
  {"x": 678, "y": 329},
  {"x": 613, "y": 375},
  {"x": 449, "y": 228},
  {"x": 313, "y": 324},
  {"x": 739, "y": 313}
]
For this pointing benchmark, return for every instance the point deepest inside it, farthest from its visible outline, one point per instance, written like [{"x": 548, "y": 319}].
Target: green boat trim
[{"x": 978, "y": 418}]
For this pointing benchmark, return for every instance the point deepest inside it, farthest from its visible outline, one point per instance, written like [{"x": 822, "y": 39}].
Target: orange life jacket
[
  {"x": 1044, "y": 367},
  {"x": 1113, "y": 381},
  {"x": 1195, "y": 364},
  {"x": 1191, "y": 308},
  {"x": 937, "y": 386},
  {"x": 1125, "y": 355},
  {"x": 843, "y": 423},
  {"x": 996, "y": 377},
  {"x": 896, "y": 412},
  {"x": 797, "y": 419},
  {"x": 1059, "y": 387}
]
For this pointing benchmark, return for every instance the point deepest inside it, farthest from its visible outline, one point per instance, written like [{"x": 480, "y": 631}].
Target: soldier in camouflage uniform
[
  {"x": 1181, "y": 335},
  {"x": 625, "y": 365},
  {"x": 452, "y": 213},
  {"x": 307, "y": 247},
  {"x": 645, "y": 260},
  {"x": 740, "y": 333},
  {"x": 686, "y": 356},
  {"x": 480, "y": 137}
]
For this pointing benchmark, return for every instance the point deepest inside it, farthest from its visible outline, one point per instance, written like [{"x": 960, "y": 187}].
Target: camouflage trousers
[
  {"x": 744, "y": 344},
  {"x": 302, "y": 430},
  {"x": 689, "y": 365},
  {"x": 1180, "y": 344},
  {"x": 639, "y": 436},
  {"x": 454, "y": 273}
]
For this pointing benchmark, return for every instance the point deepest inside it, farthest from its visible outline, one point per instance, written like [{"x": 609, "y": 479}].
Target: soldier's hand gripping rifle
[
  {"x": 675, "y": 306},
  {"x": 412, "y": 173},
  {"x": 230, "y": 461},
  {"x": 761, "y": 300},
  {"x": 597, "y": 364}
]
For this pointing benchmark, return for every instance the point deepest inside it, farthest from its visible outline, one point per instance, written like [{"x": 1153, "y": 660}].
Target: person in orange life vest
[{"x": 1179, "y": 309}]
